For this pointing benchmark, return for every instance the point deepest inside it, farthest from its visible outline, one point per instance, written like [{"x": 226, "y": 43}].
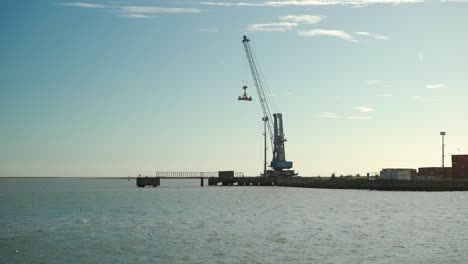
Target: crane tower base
[{"x": 282, "y": 173}]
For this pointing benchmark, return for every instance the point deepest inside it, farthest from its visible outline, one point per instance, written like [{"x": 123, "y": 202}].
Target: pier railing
[{"x": 191, "y": 174}]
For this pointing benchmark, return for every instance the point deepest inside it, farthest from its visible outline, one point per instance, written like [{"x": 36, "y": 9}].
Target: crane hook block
[{"x": 244, "y": 96}]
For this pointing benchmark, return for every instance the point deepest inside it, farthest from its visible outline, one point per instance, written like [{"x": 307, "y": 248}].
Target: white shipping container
[{"x": 396, "y": 174}]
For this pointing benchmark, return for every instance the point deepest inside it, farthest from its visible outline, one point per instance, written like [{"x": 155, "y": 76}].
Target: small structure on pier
[{"x": 148, "y": 181}]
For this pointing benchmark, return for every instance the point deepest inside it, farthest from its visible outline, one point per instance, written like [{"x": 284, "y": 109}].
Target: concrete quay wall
[
  {"x": 419, "y": 185},
  {"x": 327, "y": 183},
  {"x": 242, "y": 181},
  {"x": 364, "y": 183}
]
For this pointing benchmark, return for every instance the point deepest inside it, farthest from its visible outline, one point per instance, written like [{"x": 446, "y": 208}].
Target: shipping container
[
  {"x": 460, "y": 166},
  {"x": 397, "y": 174},
  {"x": 226, "y": 174},
  {"x": 435, "y": 172}
]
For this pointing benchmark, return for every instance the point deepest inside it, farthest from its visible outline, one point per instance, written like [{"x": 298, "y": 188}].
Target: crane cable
[
  {"x": 245, "y": 65},
  {"x": 272, "y": 103}
]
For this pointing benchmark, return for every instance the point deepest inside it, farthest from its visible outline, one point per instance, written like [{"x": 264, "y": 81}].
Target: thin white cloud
[
  {"x": 135, "y": 16},
  {"x": 381, "y": 37},
  {"x": 128, "y": 11},
  {"x": 210, "y": 30},
  {"x": 363, "y": 33},
  {"x": 328, "y": 115},
  {"x": 279, "y": 27},
  {"x": 371, "y": 35},
  {"x": 156, "y": 10},
  {"x": 327, "y": 33},
  {"x": 420, "y": 99},
  {"x": 357, "y": 3},
  {"x": 363, "y": 109},
  {"x": 231, "y": 4},
  {"x": 359, "y": 117},
  {"x": 290, "y": 22},
  {"x": 84, "y": 5},
  {"x": 436, "y": 86},
  {"x": 372, "y": 82},
  {"x": 303, "y": 19}
]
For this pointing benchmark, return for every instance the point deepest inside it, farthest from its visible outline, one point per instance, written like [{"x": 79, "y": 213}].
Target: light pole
[
  {"x": 265, "y": 120},
  {"x": 443, "y": 149}
]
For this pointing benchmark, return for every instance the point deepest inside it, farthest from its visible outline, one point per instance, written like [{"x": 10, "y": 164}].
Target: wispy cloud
[
  {"x": 293, "y": 21},
  {"x": 371, "y": 35},
  {"x": 280, "y": 26},
  {"x": 85, "y": 5},
  {"x": 420, "y": 99},
  {"x": 372, "y": 82},
  {"x": 210, "y": 30},
  {"x": 135, "y": 16},
  {"x": 328, "y": 115},
  {"x": 128, "y": 11},
  {"x": 232, "y": 4},
  {"x": 356, "y": 3},
  {"x": 290, "y": 22},
  {"x": 156, "y": 10},
  {"x": 363, "y": 109},
  {"x": 303, "y": 19},
  {"x": 327, "y": 33},
  {"x": 360, "y": 117},
  {"x": 436, "y": 86}
]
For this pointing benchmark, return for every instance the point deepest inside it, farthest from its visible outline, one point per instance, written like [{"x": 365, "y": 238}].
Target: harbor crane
[{"x": 279, "y": 165}]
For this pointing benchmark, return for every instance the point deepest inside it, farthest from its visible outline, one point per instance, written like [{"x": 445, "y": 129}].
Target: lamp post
[
  {"x": 443, "y": 149},
  {"x": 265, "y": 120}
]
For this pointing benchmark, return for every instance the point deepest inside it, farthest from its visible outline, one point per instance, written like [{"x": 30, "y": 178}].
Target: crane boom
[
  {"x": 260, "y": 91},
  {"x": 275, "y": 129}
]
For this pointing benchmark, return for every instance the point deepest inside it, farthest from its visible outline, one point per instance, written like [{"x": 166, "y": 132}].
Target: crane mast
[{"x": 275, "y": 129}]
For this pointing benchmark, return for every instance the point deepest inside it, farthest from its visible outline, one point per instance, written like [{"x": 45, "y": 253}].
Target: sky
[{"x": 121, "y": 88}]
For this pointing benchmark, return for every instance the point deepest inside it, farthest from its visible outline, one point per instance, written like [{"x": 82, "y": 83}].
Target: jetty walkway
[{"x": 142, "y": 181}]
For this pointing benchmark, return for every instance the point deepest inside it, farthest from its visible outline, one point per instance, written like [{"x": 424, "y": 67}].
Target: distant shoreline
[{"x": 62, "y": 177}]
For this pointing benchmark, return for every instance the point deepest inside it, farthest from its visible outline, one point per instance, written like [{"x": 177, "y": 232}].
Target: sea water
[{"x": 113, "y": 221}]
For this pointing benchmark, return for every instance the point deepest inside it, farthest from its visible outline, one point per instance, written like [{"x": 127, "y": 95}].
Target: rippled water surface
[{"x": 112, "y": 221}]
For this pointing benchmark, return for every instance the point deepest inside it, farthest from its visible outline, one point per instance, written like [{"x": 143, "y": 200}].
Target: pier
[
  {"x": 154, "y": 181},
  {"x": 231, "y": 178},
  {"x": 242, "y": 181}
]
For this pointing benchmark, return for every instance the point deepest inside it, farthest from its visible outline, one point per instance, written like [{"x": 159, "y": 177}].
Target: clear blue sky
[{"x": 118, "y": 88}]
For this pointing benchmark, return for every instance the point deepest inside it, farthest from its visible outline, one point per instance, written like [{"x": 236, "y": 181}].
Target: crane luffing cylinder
[{"x": 277, "y": 138}]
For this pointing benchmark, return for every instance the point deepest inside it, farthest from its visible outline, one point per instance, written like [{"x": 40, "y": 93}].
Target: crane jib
[{"x": 260, "y": 90}]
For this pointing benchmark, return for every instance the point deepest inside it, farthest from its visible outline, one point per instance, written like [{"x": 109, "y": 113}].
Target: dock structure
[
  {"x": 437, "y": 185},
  {"x": 231, "y": 178},
  {"x": 242, "y": 181},
  {"x": 143, "y": 181},
  {"x": 148, "y": 181}
]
